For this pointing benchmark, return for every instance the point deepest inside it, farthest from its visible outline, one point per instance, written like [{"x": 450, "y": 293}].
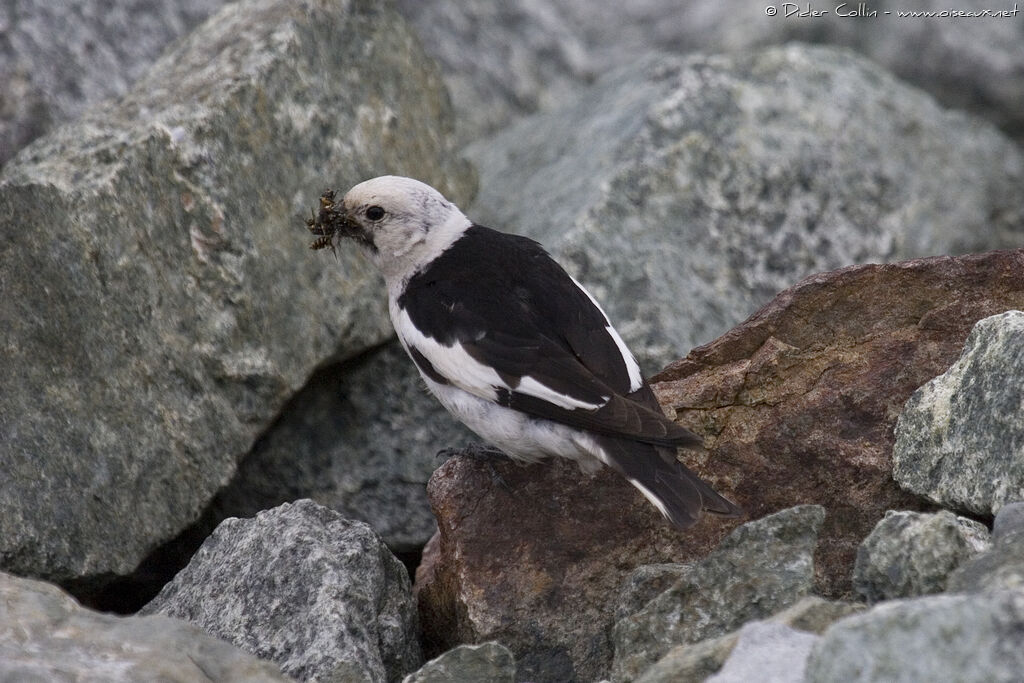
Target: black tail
[{"x": 679, "y": 494}]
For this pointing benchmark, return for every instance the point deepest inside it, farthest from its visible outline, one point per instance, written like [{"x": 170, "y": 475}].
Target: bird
[{"x": 512, "y": 345}]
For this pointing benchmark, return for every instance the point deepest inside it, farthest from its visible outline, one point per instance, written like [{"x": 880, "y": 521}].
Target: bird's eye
[{"x": 375, "y": 213}]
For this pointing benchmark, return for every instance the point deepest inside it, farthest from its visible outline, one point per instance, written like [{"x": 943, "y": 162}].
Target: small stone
[
  {"x": 299, "y": 585},
  {"x": 760, "y": 568},
  {"x": 912, "y": 553},
  {"x": 491, "y": 662},
  {"x": 1002, "y": 566}
]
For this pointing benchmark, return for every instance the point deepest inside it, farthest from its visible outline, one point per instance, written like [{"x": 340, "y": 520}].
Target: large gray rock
[
  {"x": 56, "y": 58},
  {"x": 299, "y": 585},
  {"x": 491, "y": 662},
  {"x": 502, "y": 60},
  {"x": 1002, "y": 566},
  {"x": 686, "y": 192},
  {"x": 160, "y": 304},
  {"x": 972, "y": 63},
  {"x": 362, "y": 438},
  {"x": 960, "y": 437},
  {"x": 698, "y": 661},
  {"x": 963, "y": 638},
  {"x": 760, "y": 568},
  {"x": 45, "y": 635},
  {"x": 913, "y": 553}
]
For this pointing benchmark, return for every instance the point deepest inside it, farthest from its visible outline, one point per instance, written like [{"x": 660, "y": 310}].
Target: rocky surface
[
  {"x": 698, "y": 661},
  {"x": 491, "y": 662},
  {"x": 799, "y": 402},
  {"x": 964, "y": 638},
  {"x": 303, "y": 587},
  {"x": 1001, "y": 567},
  {"x": 361, "y": 438},
  {"x": 759, "y": 569},
  {"x": 45, "y": 635},
  {"x": 911, "y": 553},
  {"x": 728, "y": 178},
  {"x": 160, "y": 305},
  {"x": 58, "y": 58},
  {"x": 503, "y": 63},
  {"x": 960, "y": 438}
]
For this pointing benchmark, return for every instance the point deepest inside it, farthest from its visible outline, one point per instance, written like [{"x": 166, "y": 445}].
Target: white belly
[{"x": 517, "y": 435}]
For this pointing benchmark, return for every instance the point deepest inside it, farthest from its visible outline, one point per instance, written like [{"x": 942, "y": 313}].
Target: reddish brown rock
[{"x": 797, "y": 405}]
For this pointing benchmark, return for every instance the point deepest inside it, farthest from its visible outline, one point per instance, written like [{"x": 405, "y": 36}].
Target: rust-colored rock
[{"x": 797, "y": 405}]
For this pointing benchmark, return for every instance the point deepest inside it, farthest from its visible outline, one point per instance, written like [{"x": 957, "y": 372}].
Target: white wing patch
[
  {"x": 472, "y": 376},
  {"x": 636, "y": 378}
]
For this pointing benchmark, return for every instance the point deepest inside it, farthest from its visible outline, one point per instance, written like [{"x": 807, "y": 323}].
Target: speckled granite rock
[
  {"x": 1001, "y": 567},
  {"x": 759, "y": 569},
  {"x": 912, "y": 553},
  {"x": 963, "y": 638},
  {"x": 960, "y": 437},
  {"x": 160, "y": 304},
  {"x": 303, "y": 587},
  {"x": 45, "y": 635}
]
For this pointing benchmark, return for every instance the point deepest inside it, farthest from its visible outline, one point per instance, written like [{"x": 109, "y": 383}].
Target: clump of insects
[{"x": 324, "y": 224}]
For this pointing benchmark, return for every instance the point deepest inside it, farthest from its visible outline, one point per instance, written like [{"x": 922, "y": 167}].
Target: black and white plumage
[{"x": 512, "y": 345}]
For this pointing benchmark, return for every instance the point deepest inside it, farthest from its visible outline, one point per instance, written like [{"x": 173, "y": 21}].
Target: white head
[{"x": 402, "y": 222}]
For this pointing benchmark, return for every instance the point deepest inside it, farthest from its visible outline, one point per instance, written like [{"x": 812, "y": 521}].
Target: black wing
[{"x": 511, "y": 307}]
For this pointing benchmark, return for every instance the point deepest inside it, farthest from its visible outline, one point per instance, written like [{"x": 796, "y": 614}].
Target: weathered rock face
[
  {"x": 799, "y": 402},
  {"x": 303, "y": 587},
  {"x": 909, "y": 553},
  {"x": 759, "y": 569},
  {"x": 57, "y": 58},
  {"x": 960, "y": 438},
  {"x": 969, "y": 638},
  {"x": 46, "y": 636},
  {"x": 159, "y": 301}
]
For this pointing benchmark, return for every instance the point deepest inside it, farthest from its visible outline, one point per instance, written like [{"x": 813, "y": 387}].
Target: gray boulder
[
  {"x": 686, "y": 192},
  {"x": 59, "y": 57},
  {"x": 160, "y": 304},
  {"x": 698, "y": 661},
  {"x": 1002, "y": 566},
  {"x": 45, "y": 635},
  {"x": 913, "y": 553},
  {"x": 502, "y": 60},
  {"x": 361, "y": 438},
  {"x": 963, "y": 638},
  {"x": 760, "y": 568},
  {"x": 491, "y": 662},
  {"x": 301, "y": 586},
  {"x": 960, "y": 437}
]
